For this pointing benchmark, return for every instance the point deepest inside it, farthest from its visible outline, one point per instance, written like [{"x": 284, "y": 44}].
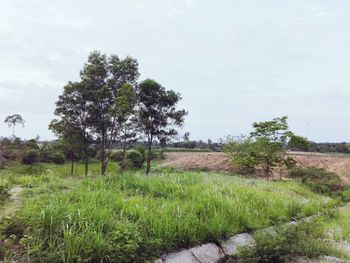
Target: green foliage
[
  {"x": 116, "y": 155},
  {"x": 135, "y": 158},
  {"x": 157, "y": 113},
  {"x": 318, "y": 179},
  {"x": 265, "y": 148},
  {"x": 31, "y": 156},
  {"x": 157, "y": 154},
  {"x": 298, "y": 143},
  {"x": 4, "y": 189},
  {"x": 132, "y": 218},
  {"x": 345, "y": 194},
  {"x": 57, "y": 158},
  {"x": 289, "y": 242},
  {"x": 13, "y": 120},
  {"x": 32, "y": 144},
  {"x": 243, "y": 153}
]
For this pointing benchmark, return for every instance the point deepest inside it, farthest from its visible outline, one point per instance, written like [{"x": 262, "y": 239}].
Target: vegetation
[
  {"x": 288, "y": 242},
  {"x": 13, "y": 120},
  {"x": 157, "y": 114},
  {"x": 318, "y": 179},
  {"x": 265, "y": 148},
  {"x": 134, "y": 218}
]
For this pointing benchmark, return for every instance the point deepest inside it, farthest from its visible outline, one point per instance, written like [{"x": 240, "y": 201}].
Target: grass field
[{"x": 134, "y": 218}]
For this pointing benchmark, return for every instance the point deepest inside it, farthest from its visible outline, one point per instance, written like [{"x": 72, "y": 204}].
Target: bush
[
  {"x": 4, "y": 189},
  {"x": 3, "y": 161},
  {"x": 116, "y": 156},
  {"x": 31, "y": 157},
  {"x": 318, "y": 179},
  {"x": 142, "y": 150},
  {"x": 57, "y": 158},
  {"x": 158, "y": 154},
  {"x": 135, "y": 158}
]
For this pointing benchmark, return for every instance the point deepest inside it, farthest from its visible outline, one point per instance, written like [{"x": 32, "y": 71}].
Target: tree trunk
[
  {"x": 86, "y": 166},
  {"x": 122, "y": 168},
  {"x": 103, "y": 154},
  {"x": 86, "y": 157},
  {"x": 72, "y": 167},
  {"x": 149, "y": 157},
  {"x": 281, "y": 171}
]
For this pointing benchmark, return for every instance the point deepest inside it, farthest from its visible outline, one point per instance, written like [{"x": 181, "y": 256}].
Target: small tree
[
  {"x": 157, "y": 114},
  {"x": 72, "y": 127},
  {"x": 13, "y": 120},
  {"x": 186, "y": 137},
  {"x": 266, "y": 147},
  {"x": 242, "y": 151}
]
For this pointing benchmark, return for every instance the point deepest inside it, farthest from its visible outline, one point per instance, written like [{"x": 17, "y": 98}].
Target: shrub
[
  {"x": 318, "y": 179},
  {"x": 135, "y": 158},
  {"x": 4, "y": 189},
  {"x": 158, "y": 154},
  {"x": 57, "y": 158},
  {"x": 116, "y": 156},
  {"x": 142, "y": 150},
  {"x": 3, "y": 161},
  {"x": 31, "y": 157}
]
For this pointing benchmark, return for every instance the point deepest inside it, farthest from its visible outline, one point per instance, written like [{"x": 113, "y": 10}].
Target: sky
[{"x": 233, "y": 61}]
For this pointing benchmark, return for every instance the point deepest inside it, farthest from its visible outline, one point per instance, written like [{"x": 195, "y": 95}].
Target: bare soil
[{"x": 217, "y": 161}]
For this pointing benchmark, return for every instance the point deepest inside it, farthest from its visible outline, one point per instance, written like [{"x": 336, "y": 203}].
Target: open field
[
  {"x": 217, "y": 161},
  {"x": 133, "y": 218}
]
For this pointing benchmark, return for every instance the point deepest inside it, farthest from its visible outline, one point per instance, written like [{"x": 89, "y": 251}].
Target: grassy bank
[{"x": 134, "y": 218}]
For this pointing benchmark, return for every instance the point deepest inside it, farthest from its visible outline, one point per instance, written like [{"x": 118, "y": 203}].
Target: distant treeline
[{"x": 329, "y": 147}]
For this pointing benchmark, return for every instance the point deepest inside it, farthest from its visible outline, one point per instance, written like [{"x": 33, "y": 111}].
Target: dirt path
[{"x": 13, "y": 203}]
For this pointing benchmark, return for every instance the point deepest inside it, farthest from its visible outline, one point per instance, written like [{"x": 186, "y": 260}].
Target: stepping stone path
[
  {"x": 213, "y": 253},
  {"x": 210, "y": 253}
]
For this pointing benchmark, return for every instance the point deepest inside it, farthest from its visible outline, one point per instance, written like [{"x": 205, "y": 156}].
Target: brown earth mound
[
  {"x": 214, "y": 161},
  {"x": 211, "y": 161}
]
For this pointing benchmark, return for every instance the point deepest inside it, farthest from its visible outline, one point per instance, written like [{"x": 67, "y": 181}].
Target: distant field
[{"x": 217, "y": 161}]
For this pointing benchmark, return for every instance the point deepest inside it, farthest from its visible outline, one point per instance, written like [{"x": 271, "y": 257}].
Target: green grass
[
  {"x": 134, "y": 218},
  {"x": 287, "y": 242},
  {"x": 338, "y": 228}
]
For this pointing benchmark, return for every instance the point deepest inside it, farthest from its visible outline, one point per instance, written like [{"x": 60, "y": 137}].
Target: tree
[
  {"x": 102, "y": 77},
  {"x": 266, "y": 147},
  {"x": 124, "y": 109},
  {"x": 242, "y": 151},
  {"x": 72, "y": 127},
  {"x": 157, "y": 114},
  {"x": 186, "y": 137},
  {"x": 271, "y": 138},
  {"x": 13, "y": 120}
]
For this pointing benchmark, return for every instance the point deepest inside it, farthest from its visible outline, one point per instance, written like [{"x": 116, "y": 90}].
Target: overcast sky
[{"x": 233, "y": 61}]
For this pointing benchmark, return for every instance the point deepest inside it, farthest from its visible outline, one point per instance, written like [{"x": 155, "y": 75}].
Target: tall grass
[{"x": 134, "y": 218}]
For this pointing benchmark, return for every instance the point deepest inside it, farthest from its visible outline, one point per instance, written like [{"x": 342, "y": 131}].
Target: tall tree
[
  {"x": 157, "y": 114},
  {"x": 72, "y": 127},
  {"x": 13, "y": 120},
  {"x": 103, "y": 76},
  {"x": 124, "y": 109}
]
